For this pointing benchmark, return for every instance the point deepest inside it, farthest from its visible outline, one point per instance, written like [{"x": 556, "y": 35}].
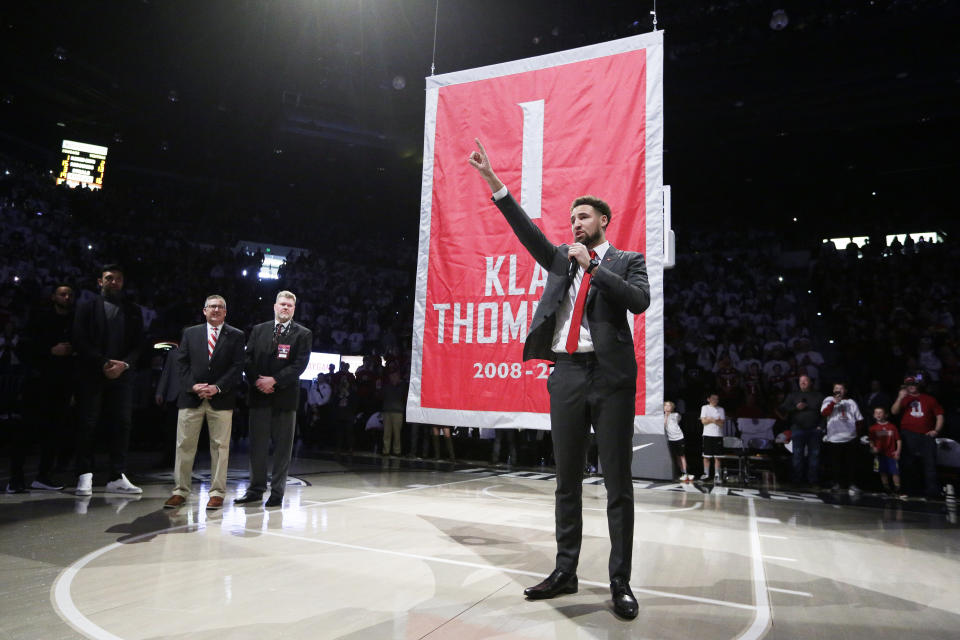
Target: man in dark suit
[
  {"x": 278, "y": 351},
  {"x": 581, "y": 325},
  {"x": 108, "y": 338},
  {"x": 210, "y": 365}
]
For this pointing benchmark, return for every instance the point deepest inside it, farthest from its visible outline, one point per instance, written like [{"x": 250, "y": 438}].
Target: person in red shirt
[
  {"x": 920, "y": 425},
  {"x": 885, "y": 444}
]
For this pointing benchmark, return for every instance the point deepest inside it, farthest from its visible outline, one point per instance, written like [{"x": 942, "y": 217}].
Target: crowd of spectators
[
  {"x": 741, "y": 323},
  {"x": 738, "y": 320}
]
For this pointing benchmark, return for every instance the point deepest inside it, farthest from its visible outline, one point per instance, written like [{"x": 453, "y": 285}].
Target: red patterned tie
[
  {"x": 573, "y": 338},
  {"x": 212, "y": 341}
]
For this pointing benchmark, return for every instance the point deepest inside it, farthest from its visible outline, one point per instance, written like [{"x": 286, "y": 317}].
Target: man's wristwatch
[{"x": 594, "y": 263}]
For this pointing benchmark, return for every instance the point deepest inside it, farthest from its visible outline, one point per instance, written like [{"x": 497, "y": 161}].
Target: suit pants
[
  {"x": 266, "y": 424},
  {"x": 579, "y": 397},
  {"x": 189, "y": 423}
]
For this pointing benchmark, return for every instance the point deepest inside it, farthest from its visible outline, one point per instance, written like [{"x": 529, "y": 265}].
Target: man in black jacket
[
  {"x": 210, "y": 365},
  {"x": 48, "y": 390},
  {"x": 581, "y": 325},
  {"x": 108, "y": 338},
  {"x": 278, "y": 351}
]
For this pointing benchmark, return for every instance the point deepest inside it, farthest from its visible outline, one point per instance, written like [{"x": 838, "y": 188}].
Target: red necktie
[
  {"x": 573, "y": 338},
  {"x": 212, "y": 341}
]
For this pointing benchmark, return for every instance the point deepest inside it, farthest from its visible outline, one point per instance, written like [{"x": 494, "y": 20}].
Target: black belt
[{"x": 585, "y": 356}]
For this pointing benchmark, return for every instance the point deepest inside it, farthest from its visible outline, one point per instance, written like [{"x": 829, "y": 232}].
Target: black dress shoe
[
  {"x": 557, "y": 583},
  {"x": 624, "y": 604},
  {"x": 274, "y": 501},
  {"x": 248, "y": 498}
]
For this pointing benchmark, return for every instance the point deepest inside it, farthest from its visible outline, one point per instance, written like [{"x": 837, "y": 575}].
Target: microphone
[{"x": 572, "y": 271}]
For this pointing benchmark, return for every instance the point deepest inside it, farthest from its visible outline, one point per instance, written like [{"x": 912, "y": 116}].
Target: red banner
[{"x": 555, "y": 127}]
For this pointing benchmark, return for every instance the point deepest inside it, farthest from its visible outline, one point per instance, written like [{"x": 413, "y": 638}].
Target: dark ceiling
[{"x": 846, "y": 100}]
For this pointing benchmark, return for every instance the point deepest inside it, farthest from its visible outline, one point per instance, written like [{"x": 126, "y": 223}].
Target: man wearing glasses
[{"x": 210, "y": 364}]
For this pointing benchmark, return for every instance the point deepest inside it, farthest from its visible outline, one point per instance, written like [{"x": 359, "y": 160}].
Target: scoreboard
[{"x": 82, "y": 164}]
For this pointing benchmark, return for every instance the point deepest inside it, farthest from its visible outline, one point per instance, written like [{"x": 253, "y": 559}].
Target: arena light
[
  {"x": 320, "y": 363},
  {"x": 930, "y": 236},
  {"x": 841, "y": 243}
]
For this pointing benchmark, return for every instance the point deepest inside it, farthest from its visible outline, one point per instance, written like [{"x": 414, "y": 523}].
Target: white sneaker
[
  {"x": 85, "y": 484},
  {"x": 705, "y": 476},
  {"x": 81, "y": 505},
  {"x": 122, "y": 485},
  {"x": 853, "y": 490},
  {"x": 39, "y": 484}
]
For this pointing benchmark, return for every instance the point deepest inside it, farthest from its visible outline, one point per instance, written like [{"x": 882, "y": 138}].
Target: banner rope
[{"x": 436, "y": 15}]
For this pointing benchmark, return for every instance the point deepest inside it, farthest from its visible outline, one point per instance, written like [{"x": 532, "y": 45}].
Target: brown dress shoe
[
  {"x": 215, "y": 502},
  {"x": 174, "y": 501}
]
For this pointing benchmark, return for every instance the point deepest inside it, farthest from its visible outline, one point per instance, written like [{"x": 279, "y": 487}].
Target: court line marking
[
  {"x": 770, "y": 535},
  {"x": 763, "y": 616},
  {"x": 805, "y": 594},
  {"x": 490, "y": 567},
  {"x": 62, "y": 600},
  {"x": 779, "y": 558},
  {"x": 487, "y": 491},
  {"x": 767, "y": 520}
]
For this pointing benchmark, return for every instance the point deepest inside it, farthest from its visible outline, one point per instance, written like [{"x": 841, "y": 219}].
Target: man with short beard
[
  {"x": 581, "y": 324},
  {"x": 108, "y": 337}
]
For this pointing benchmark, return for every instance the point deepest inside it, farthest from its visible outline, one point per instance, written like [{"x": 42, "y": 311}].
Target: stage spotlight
[
  {"x": 399, "y": 82},
  {"x": 779, "y": 20}
]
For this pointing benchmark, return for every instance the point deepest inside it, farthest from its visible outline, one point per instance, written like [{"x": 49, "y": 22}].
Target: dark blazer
[
  {"x": 618, "y": 285},
  {"x": 90, "y": 335},
  {"x": 262, "y": 360},
  {"x": 224, "y": 369}
]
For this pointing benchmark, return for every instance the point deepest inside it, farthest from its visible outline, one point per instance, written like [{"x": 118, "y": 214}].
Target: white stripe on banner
[{"x": 531, "y": 176}]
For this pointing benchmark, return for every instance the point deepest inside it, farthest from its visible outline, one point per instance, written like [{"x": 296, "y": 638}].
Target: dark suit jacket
[
  {"x": 224, "y": 369},
  {"x": 262, "y": 360},
  {"x": 90, "y": 336},
  {"x": 618, "y": 285}
]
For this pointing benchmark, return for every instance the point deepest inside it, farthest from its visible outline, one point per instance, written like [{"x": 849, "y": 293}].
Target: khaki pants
[
  {"x": 189, "y": 422},
  {"x": 392, "y": 425}
]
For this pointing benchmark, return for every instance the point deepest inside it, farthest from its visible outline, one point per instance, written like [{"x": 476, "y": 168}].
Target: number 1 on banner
[{"x": 531, "y": 167}]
